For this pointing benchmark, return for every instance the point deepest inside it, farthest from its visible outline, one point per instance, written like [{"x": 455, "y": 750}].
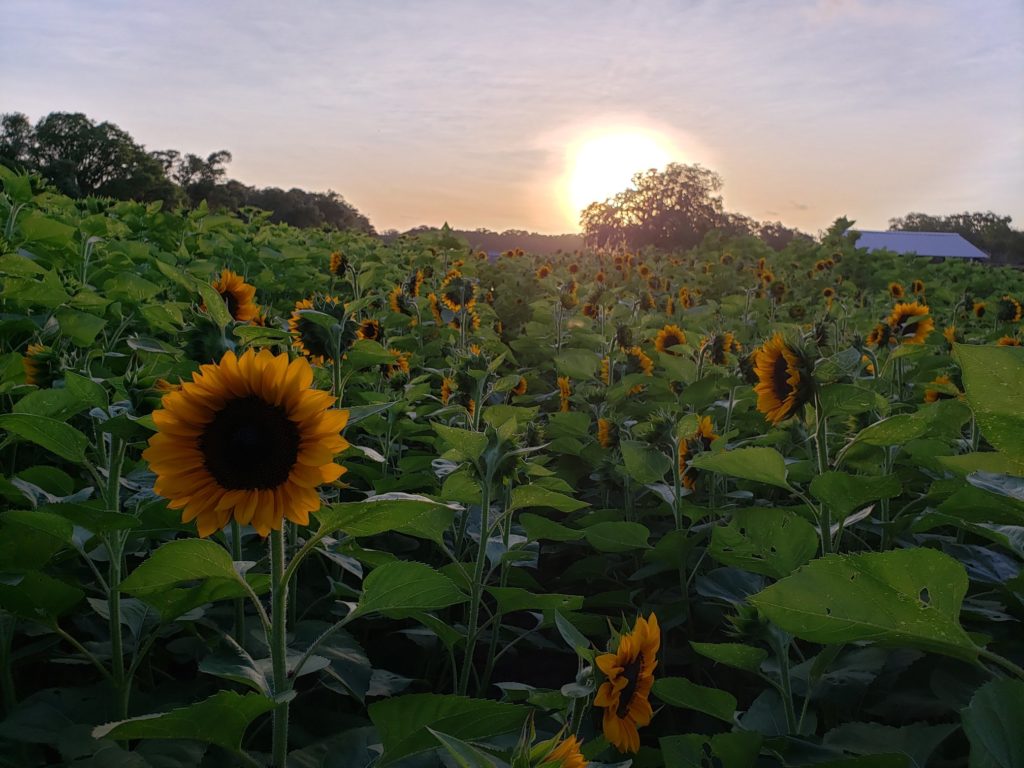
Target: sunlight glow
[{"x": 603, "y": 165}]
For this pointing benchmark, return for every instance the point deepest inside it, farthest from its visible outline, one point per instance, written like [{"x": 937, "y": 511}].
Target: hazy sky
[{"x": 420, "y": 112}]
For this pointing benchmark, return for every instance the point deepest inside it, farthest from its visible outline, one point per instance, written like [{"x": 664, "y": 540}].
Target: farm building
[{"x": 935, "y": 245}]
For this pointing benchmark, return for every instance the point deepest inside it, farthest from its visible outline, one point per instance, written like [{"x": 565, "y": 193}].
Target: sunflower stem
[
  {"x": 1001, "y": 661},
  {"x": 236, "y": 555},
  {"x": 115, "y": 551},
  {"x": 278, "y": 646},
  {"x": 476, "y": 587},
  {"x": 821, "y": 452}
]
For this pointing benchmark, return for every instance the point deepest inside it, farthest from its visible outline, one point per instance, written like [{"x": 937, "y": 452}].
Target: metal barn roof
[{"x": 942, "y": 245}]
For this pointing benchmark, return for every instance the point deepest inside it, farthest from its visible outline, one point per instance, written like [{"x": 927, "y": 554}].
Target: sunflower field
[{"x": 307, "y": 498}]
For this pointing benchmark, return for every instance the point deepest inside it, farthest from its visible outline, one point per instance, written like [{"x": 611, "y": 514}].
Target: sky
[{"x": 475, "y": 112}]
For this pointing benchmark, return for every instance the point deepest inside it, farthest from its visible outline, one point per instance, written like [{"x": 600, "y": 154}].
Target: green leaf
[
  {"x": 908, "y": 597},
  {"x": 945, "y": 415},
  {"x": 842, "y": 400},
  {"x": 994, "y": 722},
  {"x": 177, "y": 562},
  {"x": 365, "y": 353},
  {"x": 526, "y": 496},
  {"x": 680, "y": 692},
  {"x": 418, "y": 517},
  {"x": 464, "y": 754},
  {"x": 917, "y": 741},
  {"x": 39, "y": 597},
  {"x": 81, "y": 327},
  {"x": 127, "y": 286},
  {"x": 55, "y": 436},
  {"x": 772, "y": 542},
  {"x": 77, "y": 394},
  {"x": 992, "y": 382},
  {"x": 644, "y": 463},
  {"x": 515, "y": 599},
  {"x": 405, "y": 722},
  {"x": 467, "y": 444},
  {"x": 37, "y": 228},
  {"x": 617, "y": 536},
  {"x": 215, "y": 305},
  {"x": 401, "y": 588},
  {"x": 762, "y": 465},
  {"x": 730, "y": 750},
  {"x": 845, "y": 494},
  {"x": 737, "y": 655},
  {"x": 220, "y": 719},
  {"x": 580, "y": 364},
  {"x": 538, "y": 528}
]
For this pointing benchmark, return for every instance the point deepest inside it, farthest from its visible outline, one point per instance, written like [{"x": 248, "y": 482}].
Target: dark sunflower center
[
  {"x": 780, "y": 376},
  {"x": 232, "y": 302},
  {"x": 632, "y": 674},
  {"x": 250, "y": 444}
]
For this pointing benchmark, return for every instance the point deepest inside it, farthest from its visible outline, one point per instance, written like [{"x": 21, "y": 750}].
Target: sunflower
[
  {"x": 599, "y": 277},
  {"x": 911, "y": 333},
  {"x": 394, "y": 299},
  {"x": 566, "y": 754},
  {"x": 400, "y": 366},
  {"x": 630, "y": 676},
  {"x": 641, "y": 361},
  {"x": 647, "y": 301},
  {"x": 951, "y": 335},
  {"x": 942, "y": 388},
  {"x": 458, "y": 293},
  {"x": 644, "y": 271},
  {"x": 1008, "y": 341},
  {"x": 238, "y": 295},
  {"x": 435, "y": 308},
  {"x": 564, "y": 392},
  {"x": 719, "y": 345},
  {"x": 821, "y": 265},
  {"x": 784, "y": 381},
  {"x": 247, "y": 438},
  {"x": 979, "y": 309},
  {"x": 668, "y": 337},
  {"x": 40, "y": 364},
  {"x": 869, "y": 367},
  {"x": 338, "y": 264},
  {"x": 828, "y": 292},
  {"x": 700, "y": 440},
  {"x": 590, "y": 310},
  {"x": 880, "y": 336},
  {"x": 896, "y": 290},
  {"x": 574, "y": 268},
  {"x": 778, "y": 291},
  {"x": 917, "y": 287},
  {"x": 520, "y": 388},
  {"x": 543, "y": 271},
  {"x": 415, "y": 281},
  {"x": 607, "y": 433},
  {"x": 685, "y": 298},
  {"x": 767, "y": 277},
  {"x": 670, "y": 305},
  {"x": 447, "y": 387},
  {"x": 1010, "y": 310},
  {"x": 606, "y": 370},
  {"x": 567, "y": 296},
  {"x": 369, "y": 329},
  {"x": 312, "y": 339},
  {"x": 623, "y": 336}
]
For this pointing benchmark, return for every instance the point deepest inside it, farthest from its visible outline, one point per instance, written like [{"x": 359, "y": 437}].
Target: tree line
[{"x": 84, "y": 158}]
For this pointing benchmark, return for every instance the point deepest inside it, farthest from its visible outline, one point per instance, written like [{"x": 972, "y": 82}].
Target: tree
[
  {"x": 673, "y": 208},
  {"x": 988, "y": 231}
]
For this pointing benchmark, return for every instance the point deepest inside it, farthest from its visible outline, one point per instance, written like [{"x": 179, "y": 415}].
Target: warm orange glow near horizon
[{"x": 603, "y": 164}]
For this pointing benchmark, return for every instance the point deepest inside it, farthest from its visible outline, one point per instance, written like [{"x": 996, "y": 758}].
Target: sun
[{"x": 603, "y": 165}]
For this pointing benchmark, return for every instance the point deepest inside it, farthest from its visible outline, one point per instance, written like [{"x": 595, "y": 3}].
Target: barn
[{"x": 935, "y": 245}]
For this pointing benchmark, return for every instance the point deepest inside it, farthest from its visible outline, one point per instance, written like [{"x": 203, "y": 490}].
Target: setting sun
[{"x": 603, "y": 165}]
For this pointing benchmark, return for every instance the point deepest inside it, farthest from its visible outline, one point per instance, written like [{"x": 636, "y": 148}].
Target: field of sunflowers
[{"x": 282, "y": 497}]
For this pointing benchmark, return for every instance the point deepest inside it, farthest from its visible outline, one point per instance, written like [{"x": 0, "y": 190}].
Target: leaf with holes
[
  {"x": 772, "y": 542},
  {"x": 908, "y": 597}
]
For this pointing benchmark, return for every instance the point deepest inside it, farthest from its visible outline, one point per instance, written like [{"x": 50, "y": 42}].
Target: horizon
[{"x": 449, "y": 111}]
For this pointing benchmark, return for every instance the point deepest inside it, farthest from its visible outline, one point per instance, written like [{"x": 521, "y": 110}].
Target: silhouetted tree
[{"x": 988, "y": 231}]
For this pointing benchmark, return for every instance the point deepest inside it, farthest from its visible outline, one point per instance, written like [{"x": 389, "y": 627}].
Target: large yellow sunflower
[
  {"x": 624, "y": 695},
  {"x": 783, "y": 379},
  {"x": 905, "y": 331},
  {"x": 700, "y": 440},
  {"x": 238, "y": 295},
  {"x": 247, "y": 438},
  {"x": 668, "y": 337}
]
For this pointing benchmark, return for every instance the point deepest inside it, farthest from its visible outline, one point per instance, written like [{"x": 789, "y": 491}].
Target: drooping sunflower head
[
  {"x": 647, "y": 301},
  {"x": 629, "y": 673},
  {"x": 623, "y": 336},
  {"x": 951, "y": 335},
  {"x": 910, "y": 323},
  {"x": 1010, "y": 310},
  {"x": 339, "y": 264},
  {"x": 978, "y": 309},
  {"x": 784, "y": 381},
  {"x": 917, "y": 287},
  {"x": 519, "y": 389},
  {"x": 718, "y": 347},
  {"x": 448, "y": 386},
  {"x": 415, "y": 281},
  {"x": 567, "y": 295},
  {"x": 238, "y": 295},
  {"x": 896, "y": 290},
  {"x": 668, "y": 337},
  {"x": 692, "y": 444},
  {"x": 41, "y": 365},
  {"x": 607, "y": 433},
  {"x": 942, "y": 388},
  {"x": 369, "y": 329},
  {"x": 564, "y": 393},
  {"x": 399, "y": 368},
  {"x": 246, "y": 438},
  {"x": 311, "y": 338},
  {"x": 880, "y": 336},
  {"x": 435, "y": 308},
  {"x": 639, "y": 362},
  {"x": 605, "y": 370},
  {"x": 458, "y": 293}
]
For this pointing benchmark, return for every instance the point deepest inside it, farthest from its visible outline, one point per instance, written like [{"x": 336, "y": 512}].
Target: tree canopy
[
  {"x": 83, "y": 158},
  {"x": 988, "y": 231}
]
